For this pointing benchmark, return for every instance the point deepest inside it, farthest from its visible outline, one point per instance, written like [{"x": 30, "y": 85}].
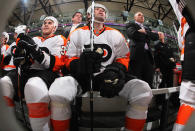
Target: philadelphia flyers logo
[{"x": 106, "y": 48}]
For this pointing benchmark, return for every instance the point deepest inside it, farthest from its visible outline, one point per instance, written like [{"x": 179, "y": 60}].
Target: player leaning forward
[
  {"x": 45, "y": 52},
  {"x": 109, "y": 69}
]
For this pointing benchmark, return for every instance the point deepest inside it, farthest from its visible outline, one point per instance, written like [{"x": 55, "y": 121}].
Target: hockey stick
[
  {"x": 92, "y": 26},
  {"x": 91, "y": 75},
  {"x": 19, "y": 69},
  {"x": 19, "y": 74}
]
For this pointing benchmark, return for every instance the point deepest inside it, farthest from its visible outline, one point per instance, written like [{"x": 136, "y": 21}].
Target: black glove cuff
[
  {"x": 112, "y": 80},
  {"x": 74, "y": 64},
  {"x": 52, "y": 62},
  {"x": 116, "y": 67},
  {"x": 37, "y": 55}
]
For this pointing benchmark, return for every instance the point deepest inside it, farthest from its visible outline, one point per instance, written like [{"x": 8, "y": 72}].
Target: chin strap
[{"x": 100, "y": 22}]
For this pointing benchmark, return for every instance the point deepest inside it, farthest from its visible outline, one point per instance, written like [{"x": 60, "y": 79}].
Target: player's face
[
  {"x": 77, "y": 18},
  {"x": 48, "y": 27},
  {"x": 139, "y": 17},
  {"x": 100, "y": 14}
]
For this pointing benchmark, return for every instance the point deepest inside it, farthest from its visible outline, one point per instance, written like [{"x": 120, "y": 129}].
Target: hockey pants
[
  {"x": 137, "y": 92},
  {"x": 187, "y": 100},
  {"x": 44, "y": 104}
]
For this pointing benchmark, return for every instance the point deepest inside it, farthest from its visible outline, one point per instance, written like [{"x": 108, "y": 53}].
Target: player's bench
[{"x": 109, "y": 113}]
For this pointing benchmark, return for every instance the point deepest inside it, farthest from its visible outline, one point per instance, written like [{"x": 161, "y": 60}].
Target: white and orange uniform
[
  {"x": 182, "y": 29},
  {"x": 137, "y": 92},
  {"x": 36, "y": 90},
  {"x": 181, "y": 36},
  {"x": 187, "y": 88},
  {"x": 4, "y": 48},
  {"x": 55, "y": 45},
  {"x": 5, "y": 51}
]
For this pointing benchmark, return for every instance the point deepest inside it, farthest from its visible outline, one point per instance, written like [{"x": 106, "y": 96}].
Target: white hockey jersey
[
  {"x": 110, "y": 40},
  {"x": 4, "y": 48},
  {"x": 182, "y": 29},
  {"x": 56, "y": 45},
  {"x": 5, "y": 53}
]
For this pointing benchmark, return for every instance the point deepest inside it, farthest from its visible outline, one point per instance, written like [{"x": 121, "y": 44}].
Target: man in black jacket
[
  {"x": 141, "y": 59},
  {"x": 76, "y": 23},
  {"x": 165, "y": 63}
]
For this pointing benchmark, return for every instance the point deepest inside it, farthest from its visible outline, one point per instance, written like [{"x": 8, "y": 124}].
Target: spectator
[
  {"x": 141, "y": 59},
  {"x": 165, "y": 63},
  {"x": 76, "y": 23}
]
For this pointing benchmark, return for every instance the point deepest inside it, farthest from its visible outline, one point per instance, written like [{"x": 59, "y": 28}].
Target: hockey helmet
[
  {"x": 97, "y": 5},
  {"x": 6, "y": 35},
  {"x": 53, "y": 19},
  {"x": 21, "y": 29}
]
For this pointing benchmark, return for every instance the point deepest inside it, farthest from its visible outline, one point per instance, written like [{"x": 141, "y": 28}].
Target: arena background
[{"x": 158, "y": 13}]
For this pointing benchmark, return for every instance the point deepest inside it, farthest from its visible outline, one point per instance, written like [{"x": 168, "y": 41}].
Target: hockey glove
[
  {"x": 4, "y": 60},
  {"x": 90, "y": 61},
  {"x": 20, "y": 57},
  {"x": 113, "y": 80},
  {"x": 31, "y": 47}
]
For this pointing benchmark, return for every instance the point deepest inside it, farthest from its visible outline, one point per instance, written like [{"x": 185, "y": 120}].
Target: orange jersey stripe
[
  {"x": 124, "y": 61},
  {"x": 134, "y": 124},
  {"x": 9, "y": 101},
  {"x": 182, "y": 51},
  {"x": 7, "y": 46},
  {"x": 183, "y": 22},
  {"x": 17, "y": 40},
  {"x": 184, "y": 114},
  {"x": 60, "y": 125},
  {"x": 59, "y": 63},
  {"x": 9, "y": 66},
  {"x": 38, "y": 110},
  {"x": 85, "y": 27}
]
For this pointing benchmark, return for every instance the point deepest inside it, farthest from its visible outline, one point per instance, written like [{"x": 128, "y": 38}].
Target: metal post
[{"x": 164, "y": 113}]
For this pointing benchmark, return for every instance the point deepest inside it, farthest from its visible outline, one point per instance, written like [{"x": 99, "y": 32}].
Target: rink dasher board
[{"x": 154, "y": 91}]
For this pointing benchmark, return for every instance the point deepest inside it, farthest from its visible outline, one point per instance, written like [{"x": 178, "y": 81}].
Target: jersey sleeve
[
  {"x": 55, "y": 60},
  {"x": 60, "y": 60},
  {"x": 4, "y": 49},
  {"x": 122, "y": 50},
  {"x": 73, "y": 50},
  {"x": 6, "y": 56},
  {"x": 8, "y": 51}
]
